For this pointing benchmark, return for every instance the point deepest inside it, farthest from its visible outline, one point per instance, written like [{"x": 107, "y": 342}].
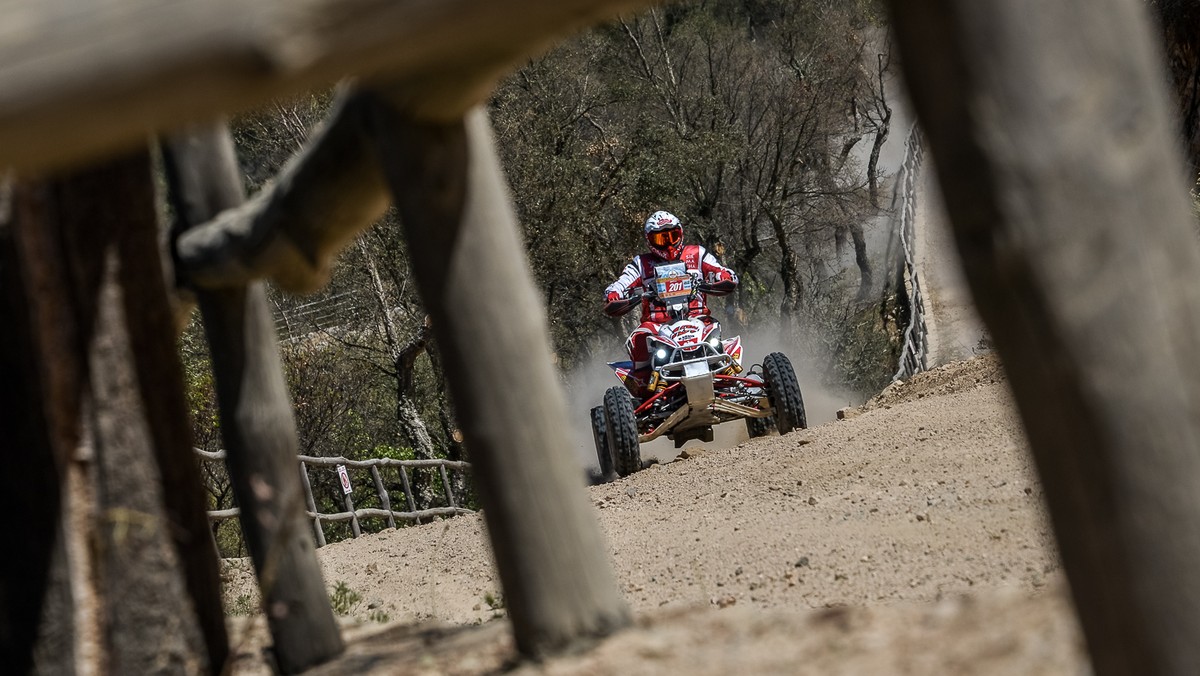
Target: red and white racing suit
[{"x": 640, "y": 274}]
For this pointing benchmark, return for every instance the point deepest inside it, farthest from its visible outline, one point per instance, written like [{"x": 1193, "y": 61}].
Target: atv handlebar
[{"x": 623, "y": 305}]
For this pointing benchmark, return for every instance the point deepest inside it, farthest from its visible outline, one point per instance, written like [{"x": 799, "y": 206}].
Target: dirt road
[{"x": 908, "y": 539}]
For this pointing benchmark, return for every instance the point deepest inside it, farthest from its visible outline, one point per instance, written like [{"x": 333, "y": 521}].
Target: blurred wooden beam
[
  {"x": 79, "y": 79},
  {"x": 1053, "y": 139}
]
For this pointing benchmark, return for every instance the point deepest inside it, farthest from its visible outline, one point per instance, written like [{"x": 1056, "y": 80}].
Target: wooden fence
[{"x": 444, "y": 467}]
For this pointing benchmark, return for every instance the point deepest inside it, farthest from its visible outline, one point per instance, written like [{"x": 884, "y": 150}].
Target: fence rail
[
  {"x": 912, "y": 356},
  {"x": 354, "y": 516}
]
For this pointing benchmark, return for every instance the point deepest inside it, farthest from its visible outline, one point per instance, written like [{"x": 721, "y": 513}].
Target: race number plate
[{"x": 672, "y": 282}]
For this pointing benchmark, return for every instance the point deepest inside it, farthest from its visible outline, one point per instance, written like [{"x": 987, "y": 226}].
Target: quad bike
[{"x": 696, "y": 381}]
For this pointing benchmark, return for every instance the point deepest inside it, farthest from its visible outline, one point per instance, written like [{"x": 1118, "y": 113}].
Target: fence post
[
  {"x": 312, "y": 505},
  {"x": 384, "y": 500},
  {"x": 344, "y": 482},
  {"x": 408, "y": 496},
  {"x": 450, "y": 501},
  {"x": 353, "y": 517}
]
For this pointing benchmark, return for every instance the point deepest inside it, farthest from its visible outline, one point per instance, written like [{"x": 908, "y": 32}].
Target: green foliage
[
  {"x": 199, "y": 388},
  {"x": 741, "y": 118},
  {"x": 745, "y": 118},
  {"x": 343, "y": 599},
  {"x": 495, "y": 601},
  {"x": 392, "y": 452},
  {"x": 241, "y": 606}
]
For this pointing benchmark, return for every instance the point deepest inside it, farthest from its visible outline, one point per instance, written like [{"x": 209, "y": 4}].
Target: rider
[{"x": 664, "y": 234}]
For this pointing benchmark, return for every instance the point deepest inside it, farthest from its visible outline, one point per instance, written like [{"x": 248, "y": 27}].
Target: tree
[{"x": 745, "y": 119}]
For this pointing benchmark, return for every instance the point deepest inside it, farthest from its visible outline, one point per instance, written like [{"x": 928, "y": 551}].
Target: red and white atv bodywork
[{"x": 697, "y": 380}]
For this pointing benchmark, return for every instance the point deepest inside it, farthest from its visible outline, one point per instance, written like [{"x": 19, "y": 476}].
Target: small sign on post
[{"x": 344, "y": 476}]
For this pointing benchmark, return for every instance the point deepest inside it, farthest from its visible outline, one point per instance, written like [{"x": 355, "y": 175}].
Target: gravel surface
[{"x": 908, "y": 538}]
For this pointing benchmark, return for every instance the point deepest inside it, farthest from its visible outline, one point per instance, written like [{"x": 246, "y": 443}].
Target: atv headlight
[
  {"x": 661, "y": 354},
  {"x": 714, "y": 339}
]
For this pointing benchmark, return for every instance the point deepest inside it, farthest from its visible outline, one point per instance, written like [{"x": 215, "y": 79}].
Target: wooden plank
[
  {"x": 332, "y": 461},
  {"x": 256, "y": 419},
  {"x": 1054, "y": 144},
  {"x": 78, "y": 79},
  {"x": 360, "y": 513}
]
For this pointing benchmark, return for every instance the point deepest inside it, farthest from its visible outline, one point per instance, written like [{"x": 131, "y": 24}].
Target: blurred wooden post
[
  {"x": 471, "y": 270},
  {"x": 1065, "y": 187},
  {"x": 135, "y": 565},
  {"x": 256, "y": 419},
  {"x": 39, "y": 404}
]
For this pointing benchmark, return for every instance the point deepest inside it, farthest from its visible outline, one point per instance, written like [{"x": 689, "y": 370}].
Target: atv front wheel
[
  {"x": 621, "y": 426},
  {"x": 784, "y": 391},
  {"x": 758, "y": 427},
  {"x": 600, "y": 435}
]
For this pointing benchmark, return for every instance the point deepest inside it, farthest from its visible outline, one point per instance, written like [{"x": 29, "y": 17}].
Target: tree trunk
[
  {"x": 1059, "y": 164},
  {"x": 789, "y": 271},
  {"x": 471, "y": 272},
  {"x": 866, "y": 278},
  {"x": 404, "y": 360},
  {"x": 882, "y": 128}
]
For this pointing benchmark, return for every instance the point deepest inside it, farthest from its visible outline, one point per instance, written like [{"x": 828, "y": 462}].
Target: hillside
[{"x": 909, "y": 538}]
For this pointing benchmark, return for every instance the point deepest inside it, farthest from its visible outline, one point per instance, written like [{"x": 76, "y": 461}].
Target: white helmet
[{"x": 664, "y": 234}]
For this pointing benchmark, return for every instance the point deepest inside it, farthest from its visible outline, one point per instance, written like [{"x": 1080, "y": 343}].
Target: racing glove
[
  {"x": 723, "y": 284},
  {"x": 614, "y": 304}
]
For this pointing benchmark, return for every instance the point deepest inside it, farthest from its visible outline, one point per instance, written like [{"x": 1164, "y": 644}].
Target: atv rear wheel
[
  {"x": 784, "y": 392},
  {"x": 621, "y": 426},
  {"x": 600, "y": 435}
]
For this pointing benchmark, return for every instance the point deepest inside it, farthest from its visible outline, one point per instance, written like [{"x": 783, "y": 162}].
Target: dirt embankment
[{"x": 909, "y": 538}]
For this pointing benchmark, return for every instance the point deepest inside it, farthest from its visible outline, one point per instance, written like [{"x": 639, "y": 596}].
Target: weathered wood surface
[
  {"x": 373, "y": 464},
  {"x": 256, "y": 418},
  {"x": 335, "y": 460},
  {"x": 1059, "y": 163},
  {"x": 82, "y": 78},
  {"x": 38, "y": 404},
  {"x": 88, "y": 270},
  {"x": 291, "y": 230},
  {"x": 360, "y": 513},
  {"x": 108, "y": 221},
  {"x": 490, "y": 326}
]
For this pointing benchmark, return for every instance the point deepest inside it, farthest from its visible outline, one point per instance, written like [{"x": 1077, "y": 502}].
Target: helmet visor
[{"x": 664, "y": 238}]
